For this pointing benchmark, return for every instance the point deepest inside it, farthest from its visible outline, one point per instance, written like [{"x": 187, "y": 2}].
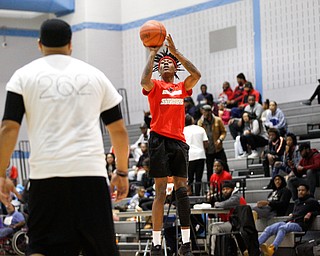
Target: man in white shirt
[
  {"x": 63, "y": 99},
  {"x": 196, "y": 138},
  {"x": 143, "y": 138}
]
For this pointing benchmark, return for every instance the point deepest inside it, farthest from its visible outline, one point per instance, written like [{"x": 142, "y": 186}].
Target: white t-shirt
[
  {"x": 63, "y": 99},
  {"x": 195, "y": 136}
]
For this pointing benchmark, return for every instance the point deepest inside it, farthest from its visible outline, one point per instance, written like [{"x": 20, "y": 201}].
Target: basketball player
[
  {"x": 63, "y": 99},
  {"x": 167, "y": 147}
]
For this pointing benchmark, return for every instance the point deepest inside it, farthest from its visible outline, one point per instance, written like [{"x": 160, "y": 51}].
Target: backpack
[{"x": 309, "y": 248}]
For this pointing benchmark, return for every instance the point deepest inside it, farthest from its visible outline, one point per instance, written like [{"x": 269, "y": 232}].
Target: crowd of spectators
[{"x": 259, "y": 130}]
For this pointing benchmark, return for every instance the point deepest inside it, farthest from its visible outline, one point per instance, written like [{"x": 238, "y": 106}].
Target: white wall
[{"x": 290, "y": 48}]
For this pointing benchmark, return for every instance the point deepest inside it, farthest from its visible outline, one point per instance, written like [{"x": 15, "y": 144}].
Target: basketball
[{"x": 152, "y": 33}]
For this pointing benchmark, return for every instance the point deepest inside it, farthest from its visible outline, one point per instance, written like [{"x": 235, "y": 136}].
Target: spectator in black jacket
[
  {"x": 274, "y": 151},
  {"x": 277, "y": 202},
  {"x": 306, "y": 207}
]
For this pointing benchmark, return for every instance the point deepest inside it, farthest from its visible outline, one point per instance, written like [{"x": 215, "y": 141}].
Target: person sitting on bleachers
[
  {"x": 265, "y": 106},
  {"x": 254, "y": 136},
  {"x": 223, "y": 113},
  {"x": 306, "y": 171},
  {"x": 276, "y": 119},
  {"x": 231, "y": 198},
  {"x": 238, "y": 92},
  {"x": 12, "y": 222},
  {"x": 190, "y": 107},
  {"x": 219, "y": 175},
  {"x": 134, "y": 202},
  {"x": 291, "y": 158},
  {"x": 254, "y": 107},
  {"x": 226, "y": 93},
  {"x": 306, "y": 207},
  {"x": 277, "y": 201},
  {"x": 204, "y": 97},
  {"x": 144, "y": 137},
  {"x": 110, "y": 164},
  {"x": 274, "y": 151}
]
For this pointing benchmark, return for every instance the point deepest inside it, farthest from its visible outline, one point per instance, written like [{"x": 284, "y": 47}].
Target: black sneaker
[
  {"x": 185, "y": 250},
  {"x": 306, "y": 102},
  {"x": 156, "y": 250}
]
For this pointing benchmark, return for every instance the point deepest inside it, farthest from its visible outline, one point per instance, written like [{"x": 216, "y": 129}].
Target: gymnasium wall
[{"x": 279, "y": 39}]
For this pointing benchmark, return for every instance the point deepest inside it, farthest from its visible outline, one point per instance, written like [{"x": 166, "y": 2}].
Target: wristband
[{"x": 121, "y": 173}]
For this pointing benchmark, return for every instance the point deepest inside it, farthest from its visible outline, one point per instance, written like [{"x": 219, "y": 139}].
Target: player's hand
[
  {"x": 121, "y": 184},
  {"x": 6, "y": 187},
  {"x": 170, "y": 44},
  {"x": 154, "y": 50}
]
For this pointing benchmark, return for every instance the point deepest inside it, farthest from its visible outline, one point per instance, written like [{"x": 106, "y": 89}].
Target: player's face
[{"x": 167, "y": 66}]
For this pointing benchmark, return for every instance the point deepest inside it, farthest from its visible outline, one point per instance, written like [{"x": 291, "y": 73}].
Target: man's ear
[{"x": 39, "y": 45}]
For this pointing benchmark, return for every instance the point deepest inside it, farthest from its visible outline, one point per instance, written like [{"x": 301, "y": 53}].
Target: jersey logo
[
  {"x": 171, "y": 92},
  {"x": 171, "y": 101}
]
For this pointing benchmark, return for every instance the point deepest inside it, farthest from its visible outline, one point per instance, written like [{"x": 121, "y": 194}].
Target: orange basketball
[{"x": 152, "y": 33}]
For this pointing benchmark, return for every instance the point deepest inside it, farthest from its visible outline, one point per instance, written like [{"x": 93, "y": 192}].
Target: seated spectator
[
  {"x": 306, "y": 171},
  {"x": 315, "y": 94},
  {"x": 135, "y": 200},
  {"x": 197, "y": 140},
  {"x": 12, "y": 222},
  {"x": 277, "y": 202},
  {"x": 237, "y": 112},
  {"x": 189, "y": 107},
  {"x": 291, "y": 158},
  {"x": 276, "y": 119},
  {"x": 147, "y": 118},
  {"x": 146, "y": 181},
  {"x": 254, "y": 136},
  {"x": 110, "y": 164},
  {"x": 216, "y": 133},
  {"x": 249, "y": 90},
  {"x": 204, "y": 97},
  {"x": 230, "y": 199},
  {"x": 304, "y": 211},
  {"x": 223, "y": 113},
  {"x": 144, "y": 137},
  {"x": 254, "y": 108},
  {"x": 274, "y": 151},
  {"x": 219, "y": 175},
  {"x": 238, "y": 92},
  {"x": 226, "y": 93},
  {"x": 266, "y": 109},
  {"x": 242, "y": 125}
]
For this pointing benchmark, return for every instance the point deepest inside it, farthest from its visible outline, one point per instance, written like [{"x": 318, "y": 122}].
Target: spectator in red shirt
[
  {"x": 226, "y": 94},
  {"x": 238, "y": 92},
  {"x": 219, "y": 175}
]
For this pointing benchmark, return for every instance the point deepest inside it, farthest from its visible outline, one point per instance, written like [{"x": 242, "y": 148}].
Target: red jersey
[
  {"x": 167, "y": 108},
  {"x": 216, "y": 179}
]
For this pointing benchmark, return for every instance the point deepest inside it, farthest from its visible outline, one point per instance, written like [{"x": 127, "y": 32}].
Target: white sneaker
[
  {"x": 253, "y": 154},
  {"x": 244, "y": 155}
]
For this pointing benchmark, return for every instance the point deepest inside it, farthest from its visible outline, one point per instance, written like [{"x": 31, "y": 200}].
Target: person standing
[
  {"x": 197, "y": 140},
  {"x": 216, "y": 133},
  {"x": 63, "y": 99},
  {"x": 167, "y": 147}
]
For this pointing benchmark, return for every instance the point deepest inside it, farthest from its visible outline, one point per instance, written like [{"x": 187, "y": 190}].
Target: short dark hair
[
  {"x": 55, "y": 33},
  {"x": 241, "y": 76},
  {"x": 188, "y": 120},
  {"x": 305, "y": 185},
  {"x": 203, "y": 85}
]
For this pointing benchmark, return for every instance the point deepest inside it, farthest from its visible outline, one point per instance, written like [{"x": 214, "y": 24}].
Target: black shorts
[
  {"x": 70, "y": 214},
  {"x": 168, "y": 157}
]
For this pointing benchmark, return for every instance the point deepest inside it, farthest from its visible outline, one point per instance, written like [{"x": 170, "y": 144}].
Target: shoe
[
  {"x": 156, "y": 250},
  {"x": 267, "y": 250},
  {"x": 253, "y": 154},
  {"x": 244, "y": 155},
  {"x": 147, "y": 226},
  {"x": 185, "y": 250},
  {"x": 306, "y": 102}
]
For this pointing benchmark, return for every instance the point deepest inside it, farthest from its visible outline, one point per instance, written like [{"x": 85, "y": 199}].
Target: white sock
[
  {"x": 185, "y": 233},
  {"x": 156, "y": 238}
]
